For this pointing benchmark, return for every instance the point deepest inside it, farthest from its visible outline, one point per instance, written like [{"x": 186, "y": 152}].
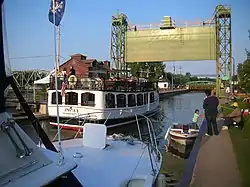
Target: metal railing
[
  {"x": 104, "y": 84},
  {"x": 151, "y": 141}
]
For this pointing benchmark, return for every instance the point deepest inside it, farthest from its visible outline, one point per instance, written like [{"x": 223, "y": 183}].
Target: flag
[
  {"x": 63, "y": 89},
  {"x": 58, "y": 9}
]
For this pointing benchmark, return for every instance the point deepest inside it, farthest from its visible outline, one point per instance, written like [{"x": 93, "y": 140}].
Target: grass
[{"x": 241, "y": 144}]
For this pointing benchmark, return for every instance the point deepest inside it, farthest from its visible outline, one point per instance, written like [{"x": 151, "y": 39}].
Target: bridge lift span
[{"x": 169, "y": 41}]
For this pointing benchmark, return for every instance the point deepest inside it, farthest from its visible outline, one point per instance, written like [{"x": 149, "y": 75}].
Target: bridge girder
[
  {"x": 222, "y": 22},
  {"x": 200, "y": 83},
  {"x": 118, "y": 41},
  {"x": 25, "y": 79}
]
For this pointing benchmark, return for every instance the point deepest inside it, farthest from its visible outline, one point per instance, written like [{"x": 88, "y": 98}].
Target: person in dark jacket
[
  {"x": 210, "y": 105},
  {"x": 72, "y": 71}
]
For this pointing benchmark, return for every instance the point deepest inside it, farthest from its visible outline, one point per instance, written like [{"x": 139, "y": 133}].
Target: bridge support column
[{"x": 223, "y": 49}]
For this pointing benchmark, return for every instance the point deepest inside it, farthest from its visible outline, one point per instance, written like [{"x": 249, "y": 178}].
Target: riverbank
[
  {"x": 173, "y": 168},
  {"x": 241, "y": 144}
]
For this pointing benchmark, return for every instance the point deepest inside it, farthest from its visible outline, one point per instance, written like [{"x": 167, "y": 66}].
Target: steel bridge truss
[
  {"x": 25, "y": 79},
  {"x": 118, "y": 41},
  {"x": 222, "y": 22}
]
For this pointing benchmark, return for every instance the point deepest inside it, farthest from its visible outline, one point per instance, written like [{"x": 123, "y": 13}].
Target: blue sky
[{"x": 86, "y": 28}]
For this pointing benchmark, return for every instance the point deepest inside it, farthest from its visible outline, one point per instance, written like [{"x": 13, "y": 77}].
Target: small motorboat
[{"x": 183, "y": 133}]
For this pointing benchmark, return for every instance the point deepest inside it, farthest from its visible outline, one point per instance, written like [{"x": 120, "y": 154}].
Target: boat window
[
  {"x": 131, "y": 100},
  {"x": 152, "y": 97},
  {"x": 145, "y": 98},
  {"x": 139, "y": 99},
  {"x": 110, "y": 100},
  {"x": 88, "y": 99},
  {"x": 53, "y": 99},
  {"x": 71, "y": 98},
  {"x": 121, "y": 100}
]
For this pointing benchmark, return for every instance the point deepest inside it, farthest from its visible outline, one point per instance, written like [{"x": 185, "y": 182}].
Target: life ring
[{"x": 72, "y": 80}]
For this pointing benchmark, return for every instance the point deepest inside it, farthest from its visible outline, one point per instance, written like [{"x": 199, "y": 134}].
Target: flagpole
[
  {"x": 59, "y": 45},
  {"x": 61, "y": 159}
]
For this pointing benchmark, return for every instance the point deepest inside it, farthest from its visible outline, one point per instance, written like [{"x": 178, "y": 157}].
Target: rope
[{"x": 137, "y": 164}]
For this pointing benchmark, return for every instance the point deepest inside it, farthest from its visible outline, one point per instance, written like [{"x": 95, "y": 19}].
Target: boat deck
[{"x": 106, "y": 167}]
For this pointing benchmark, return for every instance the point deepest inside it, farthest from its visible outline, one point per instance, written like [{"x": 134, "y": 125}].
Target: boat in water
[
  {"x": 111, "y": 101},
  {"x": 182, "y": 133},
  {"x": 130, "y": 161}
]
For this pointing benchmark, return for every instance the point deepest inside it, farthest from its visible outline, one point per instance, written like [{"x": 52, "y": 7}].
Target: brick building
[{"x": 84, "y": 67}]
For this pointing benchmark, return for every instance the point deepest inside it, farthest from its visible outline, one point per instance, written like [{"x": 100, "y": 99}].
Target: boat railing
[
  {"x": 151, "y": 141},
  {"x": 102, "y": 84}
]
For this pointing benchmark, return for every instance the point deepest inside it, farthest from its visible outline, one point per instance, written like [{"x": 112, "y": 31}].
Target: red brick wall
[{"x": 81, "y": 68}]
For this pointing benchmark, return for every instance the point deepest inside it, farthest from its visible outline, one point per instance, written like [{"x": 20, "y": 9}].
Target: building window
[
  {"x": 71, "y": 98},
  {"x": 139, "y": 99},
  {"x": 131, "y": 100},
  {"x": 110, "y": 100},
  {"x": 53, "y": 99},
  {"x": 145, "y": 98},
  {"x": 152, "y": 97},
  {"x": 88, "y": 99},
  {"x": 165, "y": 85},
  {"x": 121, "y": 100}
]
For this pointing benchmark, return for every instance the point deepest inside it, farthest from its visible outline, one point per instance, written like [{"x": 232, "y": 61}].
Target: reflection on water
[{"x": 178, "y": 108}]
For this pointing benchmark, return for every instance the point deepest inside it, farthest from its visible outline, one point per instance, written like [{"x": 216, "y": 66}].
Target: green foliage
[
  {"x": 151, "y": 70},
  {"x": 243, "y": 71},
  {"x": 248, "y": 50},
  {"x": 155, "y": 70}
]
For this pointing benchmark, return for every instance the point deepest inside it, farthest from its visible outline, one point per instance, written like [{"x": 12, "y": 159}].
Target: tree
[
  {"x": 248, "y": 51},
  {"x": 151, "y": 70},
  {"x": 194, "y": 78},
  {"x": 243, "y": 71}
]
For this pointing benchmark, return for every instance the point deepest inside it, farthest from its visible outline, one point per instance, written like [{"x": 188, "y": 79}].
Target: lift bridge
[
  {"x": 25, "y": 82},
  {"x": 170, "y": 41},
  {"x": 25, "y": 79}
]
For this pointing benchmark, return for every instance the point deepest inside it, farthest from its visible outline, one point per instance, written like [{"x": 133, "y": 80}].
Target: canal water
[{"x": 179, "y": 108}]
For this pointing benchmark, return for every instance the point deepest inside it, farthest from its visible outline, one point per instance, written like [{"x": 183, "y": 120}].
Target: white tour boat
[{"x": 96, "y": 100}]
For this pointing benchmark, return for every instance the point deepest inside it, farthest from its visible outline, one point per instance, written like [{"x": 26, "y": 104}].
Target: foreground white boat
[
  {"x": 183, "y": 133},
  {"x": 116, "y": 160},
  {"x": 23, "y": 163}
]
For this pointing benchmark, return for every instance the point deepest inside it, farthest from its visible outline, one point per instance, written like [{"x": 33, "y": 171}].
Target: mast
[
  {"x": 2, "y": 64},
  {"x": 58, "y": 46}
]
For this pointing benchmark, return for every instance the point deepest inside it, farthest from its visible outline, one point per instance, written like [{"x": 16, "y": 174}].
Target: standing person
[
  {"x": 228, "y": 93},
  {"x": 64, "y": 73},
  {"x": 72, "y": 71},
  {"x": 210, "y": 105},
  {"x": 196, "y": 118}
]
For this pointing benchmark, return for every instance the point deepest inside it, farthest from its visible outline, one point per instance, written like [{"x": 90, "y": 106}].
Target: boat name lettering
[{"x": 71, "y": 110}]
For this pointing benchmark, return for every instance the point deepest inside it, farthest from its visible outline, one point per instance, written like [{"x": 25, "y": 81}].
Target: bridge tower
[
  {"x": 118, "y": 41},
  {"x": 222, "y": 20}
]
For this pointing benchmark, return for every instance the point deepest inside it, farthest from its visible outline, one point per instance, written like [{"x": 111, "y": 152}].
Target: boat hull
[
  {"x": 73, "y": 124},
  {"x": 183, "y": 138}
]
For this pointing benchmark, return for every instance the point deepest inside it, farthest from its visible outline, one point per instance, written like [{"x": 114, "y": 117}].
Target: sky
[{"x": 86, "y": 28}]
